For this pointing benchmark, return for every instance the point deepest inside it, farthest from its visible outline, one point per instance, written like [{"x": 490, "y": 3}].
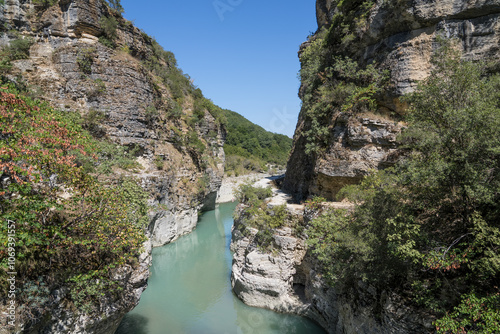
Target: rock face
[
  {"x": 111, "y": 310},
  {"x": 288, "y": 279},
  {"x": 263, "y": 279},
  {"x": 77, "y": 73},
  {"x": 399, "y": 36},
  {"x": 120, "y": 98}
]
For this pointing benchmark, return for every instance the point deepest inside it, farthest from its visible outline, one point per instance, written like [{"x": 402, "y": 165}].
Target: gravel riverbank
[{"x": 231, "y": 183}]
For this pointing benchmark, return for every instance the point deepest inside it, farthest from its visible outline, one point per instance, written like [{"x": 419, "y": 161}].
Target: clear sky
[{"x": 241, "y": 53}]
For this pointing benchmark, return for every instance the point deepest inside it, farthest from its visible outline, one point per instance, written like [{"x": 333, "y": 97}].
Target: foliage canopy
[
  {"x": 431, "y": 225},
  {"x": 251, "y": 147},
  {"x": 70, "y": 226}
]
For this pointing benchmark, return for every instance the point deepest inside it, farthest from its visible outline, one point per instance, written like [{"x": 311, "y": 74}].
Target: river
[{"x": 189, "y": 291}]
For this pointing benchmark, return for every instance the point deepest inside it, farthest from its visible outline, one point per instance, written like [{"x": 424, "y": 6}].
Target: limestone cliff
[
  {"x": 396, "y": 36},
  {"x": 287, "y": 278},
  {"x": 131, "y": 104},
  {"x": 364, "y": 57},
  {"x": 129, "y": 91}
]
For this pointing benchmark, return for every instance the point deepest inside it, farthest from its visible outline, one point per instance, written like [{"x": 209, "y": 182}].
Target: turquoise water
[{"x": 189, "y": 290}]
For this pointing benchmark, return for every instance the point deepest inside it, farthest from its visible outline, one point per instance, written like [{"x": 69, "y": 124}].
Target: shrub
[
  {"x": 315, "y": 203},
  {"x": 96, "y": 89},
  {"x": 159, "y": 162},
  {"x": 151, "y": 115},
  {"x": 266, "y": 220},
  {"x": 194, "y": 143},
  {"x": 473, "y": 315},
  {"x": 203, "y": 183},
  {"x": 85, "y": 60},
  {"x": 109, "y": 25},
  {"x": 247, "y": 193},
  {"x": 18, "y": 49},
  {"x": 434, "y": 217},
  {"x": 45, "y": 3},
  {"x": 96, "y": 226},
  {"x": 92, "y": 121}
]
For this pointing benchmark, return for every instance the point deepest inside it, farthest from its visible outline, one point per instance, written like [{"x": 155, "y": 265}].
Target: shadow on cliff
[{"x": 133, "y": 324}]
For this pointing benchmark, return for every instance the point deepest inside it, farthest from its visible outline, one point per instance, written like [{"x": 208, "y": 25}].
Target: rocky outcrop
[
  {"x": 129, "y": 103},
  {"x": 180, "y": 154},
  {"x": 357, "y": 145},
  {"x": 265, "y": 279},
  {"x": 399, "y": 36},
  {"x": 287, "y": 278},
  {"x": 107, "y": 318}
]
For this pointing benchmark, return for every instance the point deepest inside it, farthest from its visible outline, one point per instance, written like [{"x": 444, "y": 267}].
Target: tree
[
  {"x": 116, "y": 6},
  {"x": 432, "y": 223},
  {"x": 71, "y": 227}
]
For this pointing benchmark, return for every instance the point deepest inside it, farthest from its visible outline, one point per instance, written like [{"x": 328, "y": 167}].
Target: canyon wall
[
  {"x": 398, "y": 37},
  {"x": 74, "y": 72},
  {"x": 123, "y": 94},
  {"x": 365, "y": 56},
  {"x": 287, "y": 278}
]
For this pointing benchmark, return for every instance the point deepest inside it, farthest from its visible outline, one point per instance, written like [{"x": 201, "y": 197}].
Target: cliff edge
[
  {"x": 355, "y": 68},
  {"x": 83, "y": 57}
]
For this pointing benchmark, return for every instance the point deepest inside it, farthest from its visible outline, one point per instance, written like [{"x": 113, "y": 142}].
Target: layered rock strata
[
  {"x": 121, "y": 99},
  {"x": 77, "y": 73},
  {"x": 288, "y": 279},
  {"x": 110, "y": 311},
  {"x": 398, "y": 36}
]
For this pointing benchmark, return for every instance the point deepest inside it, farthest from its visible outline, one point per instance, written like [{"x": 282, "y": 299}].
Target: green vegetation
[
  {"x": 332, "y": 83},
  {"x": 248, "y": 194},
  {"x": 18, "y": 49},
  {"x": 186, "y": 103},
  {"x": 429, "y": 228},
  {"x": 45, "y": 3},
  {"x": 249, "y": 147},
  {"x": 115, "y": 5},
  {"x": 85, "y": 60},
  {"x": 178, "y": 102},
  {"x": 477, "y": 315},
  {"x": 258, "y": 215},
  {"x": 109, "y": 25},
  {"x": 164, "y": 65},
  {"x": 74, "y": 224}
]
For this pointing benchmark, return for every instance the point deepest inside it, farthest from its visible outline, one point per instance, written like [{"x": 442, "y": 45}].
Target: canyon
[{"x": 125, "y": 101}]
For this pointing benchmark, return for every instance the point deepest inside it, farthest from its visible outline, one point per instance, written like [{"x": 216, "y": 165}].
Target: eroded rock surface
[
  {"x": 288, "y": 279},
  {"x": 73, "y": 71},
  {"x": 399, "y": 36}
]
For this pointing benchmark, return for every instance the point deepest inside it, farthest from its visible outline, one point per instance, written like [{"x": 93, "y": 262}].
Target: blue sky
[{"x": 241, "y": 53}]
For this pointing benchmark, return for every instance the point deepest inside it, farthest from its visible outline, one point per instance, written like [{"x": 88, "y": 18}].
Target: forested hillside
[{"x": 249, "y": 147}]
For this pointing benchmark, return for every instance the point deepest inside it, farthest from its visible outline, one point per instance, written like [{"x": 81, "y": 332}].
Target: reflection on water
[{"x": 190, "y": 290}]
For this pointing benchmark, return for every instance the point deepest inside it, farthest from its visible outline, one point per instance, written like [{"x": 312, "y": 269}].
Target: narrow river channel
[{"x": 189, "y": 290}]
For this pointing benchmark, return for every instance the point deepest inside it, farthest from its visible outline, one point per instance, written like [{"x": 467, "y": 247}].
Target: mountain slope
[{"x": 248, "y": 146}]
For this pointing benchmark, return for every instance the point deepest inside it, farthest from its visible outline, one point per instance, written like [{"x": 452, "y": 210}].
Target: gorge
[
  {"x": 315, "y": 258},
  {"x": 386, "y": 220}
]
